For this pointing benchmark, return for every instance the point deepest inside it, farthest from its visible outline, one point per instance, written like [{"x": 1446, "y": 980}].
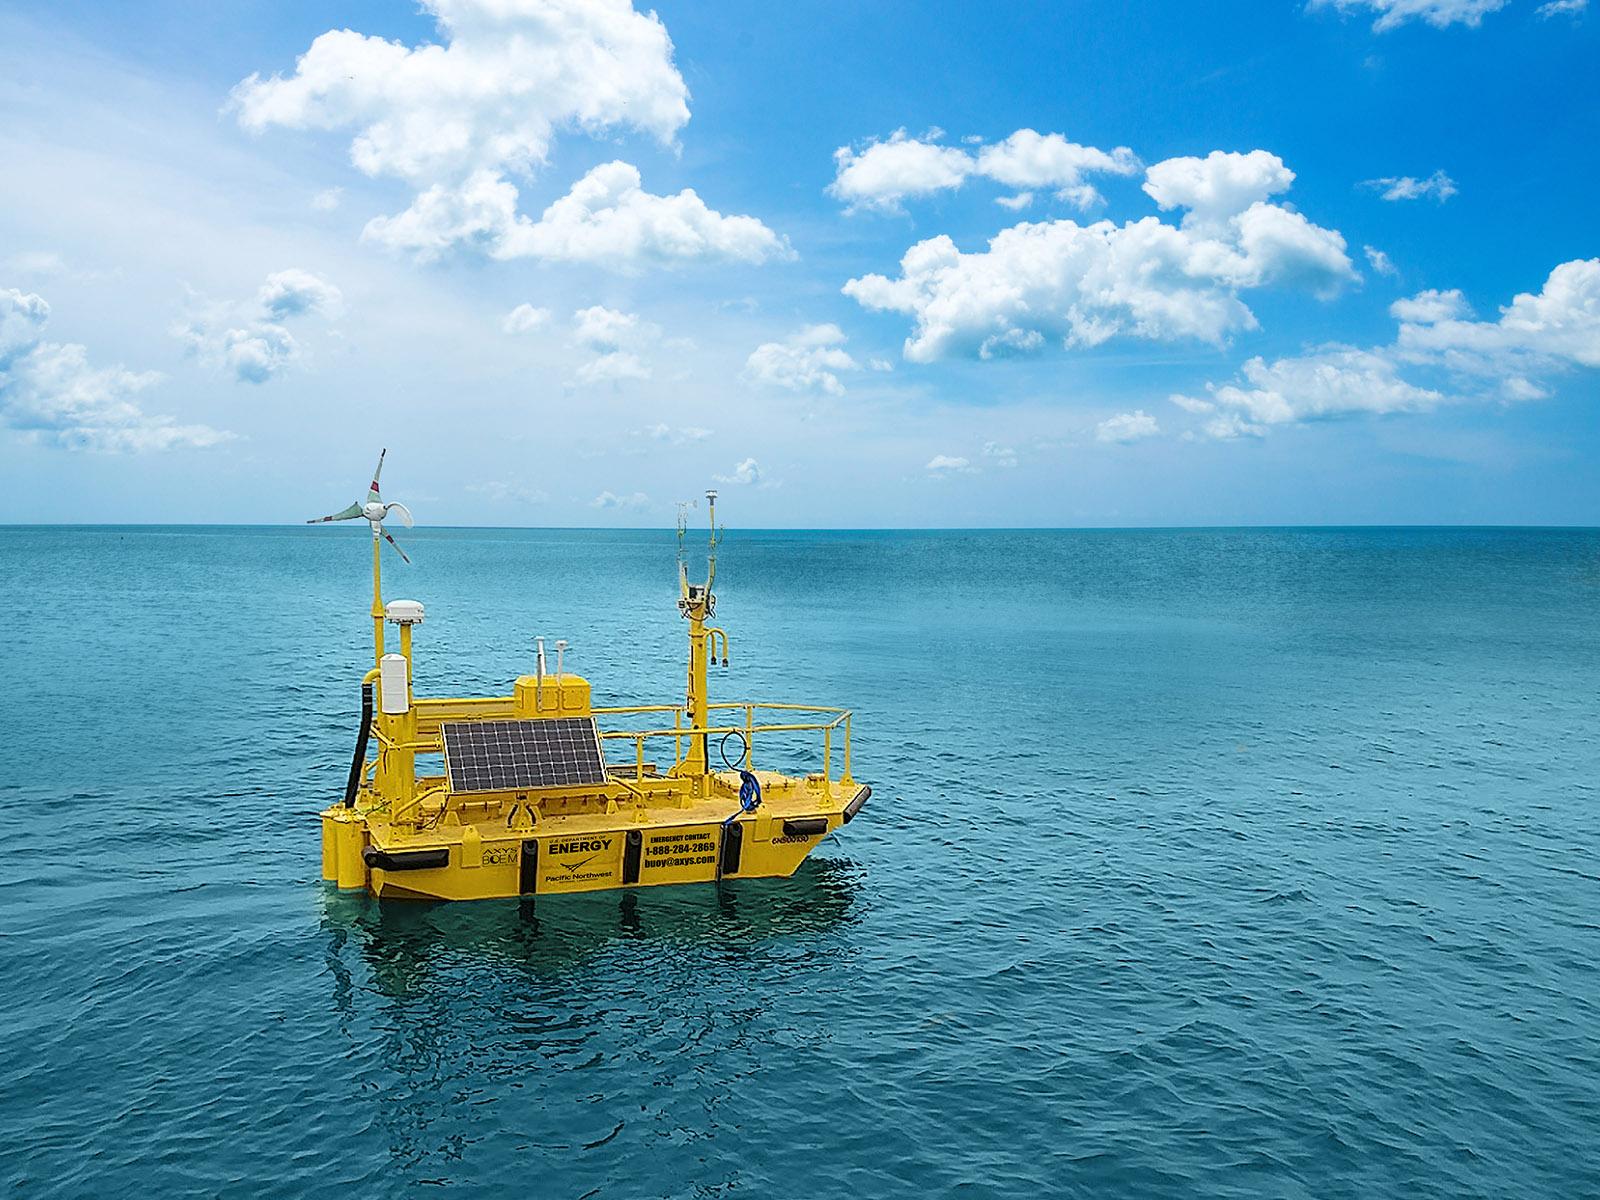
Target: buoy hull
[{"x": 582, "y": 853}]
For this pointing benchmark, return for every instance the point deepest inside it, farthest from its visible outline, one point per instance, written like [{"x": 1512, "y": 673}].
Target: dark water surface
[{"x": 1200, "y": 863}]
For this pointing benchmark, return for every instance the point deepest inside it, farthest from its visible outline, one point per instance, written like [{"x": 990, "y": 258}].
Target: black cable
[
  {"x": 353, "y": 784},
  {"x": 744, "y": 748}
]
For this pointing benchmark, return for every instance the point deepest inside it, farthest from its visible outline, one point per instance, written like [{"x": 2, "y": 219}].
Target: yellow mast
[
  {"x": 696, "y": 603},
  {"x": 377, "y": 597}
]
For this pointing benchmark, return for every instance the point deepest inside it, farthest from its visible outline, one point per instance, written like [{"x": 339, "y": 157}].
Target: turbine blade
[
  {"x": 404, "y": 557},
  {"x": 405, "y": 513},
  {"x": 347, "y": 514},
  {"x": 373, "y": 495}
]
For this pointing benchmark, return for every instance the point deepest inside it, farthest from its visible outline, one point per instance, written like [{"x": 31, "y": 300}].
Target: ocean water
[{"x": 1199, "y": 864}]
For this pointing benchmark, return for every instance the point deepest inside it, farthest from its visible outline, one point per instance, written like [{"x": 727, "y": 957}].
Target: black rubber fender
[
  {"x": 732, "y": 849},
  {"x": 406, "y": 860},
  {"x": 856, "y": 805}
]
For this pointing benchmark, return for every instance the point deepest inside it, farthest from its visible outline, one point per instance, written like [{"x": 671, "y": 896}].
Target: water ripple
[{"x": 1200, "y": 863}]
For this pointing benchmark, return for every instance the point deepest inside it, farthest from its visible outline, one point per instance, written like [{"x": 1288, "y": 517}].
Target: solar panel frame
[{"x": 523, "y": 755}]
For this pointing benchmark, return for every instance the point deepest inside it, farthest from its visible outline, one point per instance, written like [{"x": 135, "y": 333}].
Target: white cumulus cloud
[
  {"x": 1438, "y": 187},
  {"x": 1391, "y": 14},
  {"x": 524, "y": 318},
  {"x": 477, "y": 211},
  {"x": 1555, "y": 329},
  {"x": 608, "y": 219},
  {"x": 613, "y": 367},
  {"x": 297, "y": 293},
  {"x": 1218, "y": 186},
  {"x": 747, "y": 472},
  {"x": 1334, "y": 381},
  {"x": 808, "y": 361},
  {"x": 1440, "y": 354},
  {"x": 507, "y": 75},
  {"x": 1379, "y": 261},
  {"x": 1081, "y": 285},
  {"x": 883, "y": 173},
  {"x": 949, "y": 464},
  {"x": 249, "y": 340},
  {"x": 1127, "y": 427},
  {"x": 618, "y": 342},
  {"x": 53, "y": 394},
  {"x": 1429, "y": 306},
  {"x": 459, "y": 119},
  {"x": 1030, "y": 160},
  {"x": 631, "y": 502}
]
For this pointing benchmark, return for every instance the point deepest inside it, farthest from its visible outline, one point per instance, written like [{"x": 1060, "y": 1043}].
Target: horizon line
[{"x": 669, "y": 529}]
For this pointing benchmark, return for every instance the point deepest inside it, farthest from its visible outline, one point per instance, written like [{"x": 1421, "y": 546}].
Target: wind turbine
[{"x": 374, "y": 511}]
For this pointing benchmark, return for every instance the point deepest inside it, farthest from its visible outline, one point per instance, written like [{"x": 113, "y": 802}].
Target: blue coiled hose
[
  {"x": 749, "y": 791},
  {"x": 749, "y": 785}
]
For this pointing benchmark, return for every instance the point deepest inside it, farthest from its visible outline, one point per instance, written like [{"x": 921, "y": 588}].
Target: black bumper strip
[
  {"x": 856, "y": 805},
  {"x": 732, "y": 847},
  {"x": 406, "y": 860},
  {"x": 805, "y": 826},
  {"x": 632, "y": 849},
  {"x": 528, "y": 871}
]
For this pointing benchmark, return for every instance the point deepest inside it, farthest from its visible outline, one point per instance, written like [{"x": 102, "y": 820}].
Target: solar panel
[{"x": 496, "y": 756}]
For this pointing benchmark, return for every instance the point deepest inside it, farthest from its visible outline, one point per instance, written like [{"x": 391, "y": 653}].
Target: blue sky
[{"x": 881, "y": 265}]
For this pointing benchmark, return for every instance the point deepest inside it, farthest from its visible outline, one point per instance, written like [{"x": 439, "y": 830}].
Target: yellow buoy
[{"x": 531, "y": 802}]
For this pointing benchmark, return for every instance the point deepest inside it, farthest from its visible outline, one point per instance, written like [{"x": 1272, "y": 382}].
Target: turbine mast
[
  {"x": 377, "y": 594},
  {"x": 373, "y": 511}
]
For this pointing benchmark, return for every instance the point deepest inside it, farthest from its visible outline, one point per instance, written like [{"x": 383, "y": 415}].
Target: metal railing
[{"x": 838, "y": 718}]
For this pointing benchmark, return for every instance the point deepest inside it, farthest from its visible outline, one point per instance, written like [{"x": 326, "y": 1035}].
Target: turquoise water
[{"x": 1204, "y": 863}]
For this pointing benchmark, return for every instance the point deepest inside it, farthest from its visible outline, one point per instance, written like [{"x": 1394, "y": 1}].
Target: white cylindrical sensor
[{"x": 396, "y": 695}]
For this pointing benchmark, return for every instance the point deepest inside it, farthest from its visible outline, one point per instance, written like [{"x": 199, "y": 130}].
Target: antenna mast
[
  {"x": 697, "y": 603},
  {"x": 716, "y": 536}
]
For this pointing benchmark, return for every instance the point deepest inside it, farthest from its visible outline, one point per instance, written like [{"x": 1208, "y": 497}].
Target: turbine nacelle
[{"x": 375, "y": 512}]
